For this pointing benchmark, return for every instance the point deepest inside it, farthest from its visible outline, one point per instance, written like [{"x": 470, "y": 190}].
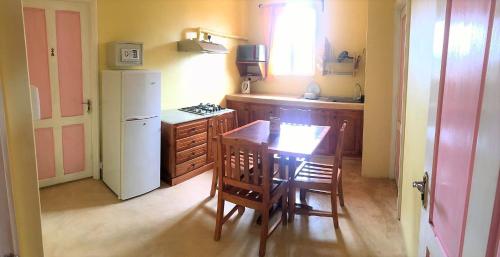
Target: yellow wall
[
  {"x": 187, "y": 78},
  {"x": 20, "y": 148},
  {"x": 423, "y": 77},
  {"x": 378, "y": 89},
  {"x": 344, "y": 24}
]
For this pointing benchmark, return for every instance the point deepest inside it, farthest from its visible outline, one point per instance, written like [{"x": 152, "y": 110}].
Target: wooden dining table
[{"x": 293, "y": 141}]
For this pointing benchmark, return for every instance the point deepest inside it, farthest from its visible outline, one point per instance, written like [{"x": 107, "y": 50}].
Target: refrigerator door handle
[{"x": 140, "y": 118}]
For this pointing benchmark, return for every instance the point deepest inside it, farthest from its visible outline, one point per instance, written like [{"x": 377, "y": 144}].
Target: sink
[{"x": 338, "y": 99}]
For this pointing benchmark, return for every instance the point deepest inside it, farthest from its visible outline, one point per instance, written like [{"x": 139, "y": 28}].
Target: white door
[
  {"x": 7, "y": 228},
  {"x": 463, "y": 154},
  {"x": 141, "y": 94},
  {"x": 141, "y": 156},
  {"x": 57, "y": 42}
]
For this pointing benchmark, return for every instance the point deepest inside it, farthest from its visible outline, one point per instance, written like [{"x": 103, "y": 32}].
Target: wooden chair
[
  {"x": 245, "y": 186},
  {"x": 219, "y": 127},
  {"x": 322, "y": 178}
]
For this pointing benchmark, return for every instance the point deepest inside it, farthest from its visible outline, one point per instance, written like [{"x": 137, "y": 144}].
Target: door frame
[
  {"x": 93, "y": 81},
  {"x": 5, "y": 164},
  {"x": 401, "y": 75}
]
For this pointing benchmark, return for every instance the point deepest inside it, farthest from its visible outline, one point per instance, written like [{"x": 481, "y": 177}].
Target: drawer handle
[
  {"x": 192, "y": 165},
  {"x": 194, "y": 141},
  {"x": 193, "y": 129},
  {"x": 193, "y": 153}
]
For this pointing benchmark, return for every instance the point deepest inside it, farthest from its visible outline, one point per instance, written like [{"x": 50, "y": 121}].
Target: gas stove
[{"x": 203, "y": 109}]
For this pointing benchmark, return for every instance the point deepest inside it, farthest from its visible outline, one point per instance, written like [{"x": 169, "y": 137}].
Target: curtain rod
[{"x": 261, "y": 5}]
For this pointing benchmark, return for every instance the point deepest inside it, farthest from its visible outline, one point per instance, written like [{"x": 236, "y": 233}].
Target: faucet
[{"x": 359, "y": 92}]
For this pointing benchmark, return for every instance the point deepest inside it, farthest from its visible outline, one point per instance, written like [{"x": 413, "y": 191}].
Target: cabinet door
[
  {"x": 262, "y": 112},
  {"x": 353, "y": 132},
  {"x": 241, "y": 112},
  {"x": 322, "y": 118}
]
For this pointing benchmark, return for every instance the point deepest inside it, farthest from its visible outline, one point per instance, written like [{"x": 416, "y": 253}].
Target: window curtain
[{"x": 271, "y": 13}]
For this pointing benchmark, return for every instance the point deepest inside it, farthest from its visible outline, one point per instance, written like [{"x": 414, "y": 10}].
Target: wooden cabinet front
[
  {"x": 242, "y": 111},
  {"x": 262, "y": 111},
  {"x": 353, "y": 139},
  {"x": 187, "y": 148}
]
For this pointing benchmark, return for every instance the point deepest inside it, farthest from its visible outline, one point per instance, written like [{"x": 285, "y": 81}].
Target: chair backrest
[
  {"x": 221, "y": 125},
  {"x": 244, "y": 165},
  {"x": 295, "y": 116},
  {"x": 339, "y": 151}
]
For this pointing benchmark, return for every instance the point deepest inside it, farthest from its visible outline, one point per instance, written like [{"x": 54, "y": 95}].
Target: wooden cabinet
[
  {"x": 187, "y": 148},
  {"x": 353, "y": 141},
  {"x": 242, "y": 111},
  {"x": 262, "y": 111}
]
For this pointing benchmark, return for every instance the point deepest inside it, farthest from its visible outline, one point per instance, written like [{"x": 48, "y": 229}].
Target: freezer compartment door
[
  {"x": 141, "y": 157},
  {"x": 141, "y": 94}
]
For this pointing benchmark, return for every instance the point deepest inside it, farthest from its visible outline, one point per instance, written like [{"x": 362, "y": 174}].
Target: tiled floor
[{"x": 84, "y": 218}]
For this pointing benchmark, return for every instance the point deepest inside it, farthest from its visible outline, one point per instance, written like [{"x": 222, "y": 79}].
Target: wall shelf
[{"x": 347, "y": 67}]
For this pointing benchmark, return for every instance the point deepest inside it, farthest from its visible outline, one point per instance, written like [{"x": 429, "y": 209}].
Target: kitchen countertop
[
  {"x": 293, "y": 101},
  {"x": 174, "y": 116}
]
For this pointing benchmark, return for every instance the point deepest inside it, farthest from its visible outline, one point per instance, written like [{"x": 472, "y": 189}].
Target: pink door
[
  {"x": 458, "y": 195},
  {"x": 57, "y": 50}
]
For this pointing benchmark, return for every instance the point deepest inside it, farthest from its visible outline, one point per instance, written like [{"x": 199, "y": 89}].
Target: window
[{"x": 293, "y": 41}]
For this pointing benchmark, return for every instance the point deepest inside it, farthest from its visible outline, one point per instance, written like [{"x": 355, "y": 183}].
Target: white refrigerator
[{"x": 131, "y": 131}]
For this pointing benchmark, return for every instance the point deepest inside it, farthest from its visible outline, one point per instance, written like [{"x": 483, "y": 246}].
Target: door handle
[
  {"x": 421, "y": 186},
  {"x": 89, "y": 105}
]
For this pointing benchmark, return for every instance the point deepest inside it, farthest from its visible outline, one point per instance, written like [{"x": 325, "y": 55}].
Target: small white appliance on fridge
[{"x": 131, "y": 131}]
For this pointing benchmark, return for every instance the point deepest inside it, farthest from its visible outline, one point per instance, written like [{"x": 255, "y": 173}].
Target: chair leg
[
  {"x": 284, "y": 209},
  {"x": 303, "y": 195},
  {"x": 335, "y": 214},
  {"x": 219, "y": 217},
  {"x": 340, "y": 192},
  {"x": 264, "y": 231},
  {"x": 291, "y": 202},
  {"x": 214, "y": 183}
]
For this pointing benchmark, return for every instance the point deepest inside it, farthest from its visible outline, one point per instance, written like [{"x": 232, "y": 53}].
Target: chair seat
[
  {"x": 314, "y": 175},
  {"x": 251, "y": 195}
]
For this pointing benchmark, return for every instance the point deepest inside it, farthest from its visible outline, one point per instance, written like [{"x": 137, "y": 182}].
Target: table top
[{"x": 293, "y": 140}]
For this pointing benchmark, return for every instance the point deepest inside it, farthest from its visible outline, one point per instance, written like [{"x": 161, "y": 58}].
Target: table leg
[{"x": 292, "y": 165}]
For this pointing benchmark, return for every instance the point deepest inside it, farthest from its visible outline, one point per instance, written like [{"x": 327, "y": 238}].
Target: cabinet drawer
[
  {"x": 190, "y": 165},
  {"x": 190, "y": 129},
  {"x": 186, "y": 143},
  {"x": 190, "y": 153}
]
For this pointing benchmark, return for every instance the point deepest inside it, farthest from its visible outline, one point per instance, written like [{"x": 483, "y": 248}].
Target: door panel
[
  {"x": 458, "y": 124},
  {"x": 37, "y": 51},
  {"x": 141, "y": 94},
  {"x": 69, "y": 60},
  {"x": 63, "y": 140},
  {"x": 141, "y": 156},
  {"x": 73, "y": 141},
  {"x": 462, "y": 28},
  {"x": 45, "y": 158}
]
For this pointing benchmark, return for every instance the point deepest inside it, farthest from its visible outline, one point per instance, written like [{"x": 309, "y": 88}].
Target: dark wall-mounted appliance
[{"x": 251, "y": 60}]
